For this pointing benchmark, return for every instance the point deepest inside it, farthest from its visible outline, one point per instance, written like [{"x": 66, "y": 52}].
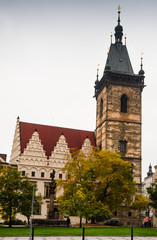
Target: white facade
[{"x": 34, "y": 163}]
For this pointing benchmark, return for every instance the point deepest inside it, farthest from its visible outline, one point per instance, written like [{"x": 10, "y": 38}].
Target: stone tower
[{"x": 118, "y": 96}]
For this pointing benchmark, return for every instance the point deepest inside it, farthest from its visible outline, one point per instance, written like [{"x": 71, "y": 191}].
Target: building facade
[
  {"x": 149, "y": 216},
  {"x": 37, "y": 149}
]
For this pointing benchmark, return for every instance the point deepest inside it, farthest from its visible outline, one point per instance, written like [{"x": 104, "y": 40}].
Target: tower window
[
  {"x": 42, "y": 174},
  {"x": 124, "y": 99},
  {"x": 123, "y": 145},
  {"x": 101, "y": 107}
]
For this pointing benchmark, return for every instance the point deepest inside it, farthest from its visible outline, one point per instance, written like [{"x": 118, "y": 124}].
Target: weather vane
[
  {"x": 119, "y": 8},
  {"x": 142, "y": 55}
]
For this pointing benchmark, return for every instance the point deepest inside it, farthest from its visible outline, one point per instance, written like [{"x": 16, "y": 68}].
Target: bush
[{"x": 16, "y": 222}]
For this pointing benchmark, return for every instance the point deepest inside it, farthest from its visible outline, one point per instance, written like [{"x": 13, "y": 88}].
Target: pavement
[{"x": 78, "y": 238}]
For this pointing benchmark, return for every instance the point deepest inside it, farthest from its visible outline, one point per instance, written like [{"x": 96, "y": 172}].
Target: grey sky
[{"x": 49, "y": 51}]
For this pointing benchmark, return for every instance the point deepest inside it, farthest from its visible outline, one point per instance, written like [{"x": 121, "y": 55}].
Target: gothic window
[
  {"x": 124, "y": 99},
  {"x": 101, "y": 107},
  {"x": 123, "y": 145}
]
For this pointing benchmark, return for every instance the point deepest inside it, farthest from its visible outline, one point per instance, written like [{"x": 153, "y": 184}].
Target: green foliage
[
  {"x": 141, "y": 203},
  {"x": 10, "y": 192},
  {"x": 15, "y": 194},
  {"x": 26, "y": 199},
  {"x": 152, "y": 191},
  {"x": 96, "y": 184}
]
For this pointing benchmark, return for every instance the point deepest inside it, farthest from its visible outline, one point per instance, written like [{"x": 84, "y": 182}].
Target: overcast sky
[{"x": 49, "y": 51}]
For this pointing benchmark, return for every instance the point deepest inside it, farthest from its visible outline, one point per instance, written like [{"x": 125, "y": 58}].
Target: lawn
[{"x": 63, "y": 231}]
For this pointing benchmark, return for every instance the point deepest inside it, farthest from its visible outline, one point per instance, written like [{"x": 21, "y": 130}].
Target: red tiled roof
[
  {"x": 49, "y": 136},
  {"x": 3, "y": 156}
]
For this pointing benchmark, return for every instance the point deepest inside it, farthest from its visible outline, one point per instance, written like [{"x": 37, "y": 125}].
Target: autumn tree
[
  {"x": 25, "y": 207},
  {"x": 96, "y": 184},
  {"x": 15, "y": 194},
  {"x": 141, "y": 203}
]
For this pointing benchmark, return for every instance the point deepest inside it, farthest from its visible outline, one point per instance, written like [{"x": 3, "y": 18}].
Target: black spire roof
[
  {"x": 118, "y": 69},
  {"x": 118, "y": 56},
  {"x": 150, "y": 173}
]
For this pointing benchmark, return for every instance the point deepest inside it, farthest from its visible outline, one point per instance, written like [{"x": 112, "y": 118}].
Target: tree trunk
[
  {"x": 80, "y": 221},
  {"x": 92, "y": 220},
  {"x": 10, "y": 221},
  {"x": 28, "y": 220}
]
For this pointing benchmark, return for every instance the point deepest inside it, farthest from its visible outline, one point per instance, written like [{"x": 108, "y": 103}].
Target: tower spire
[
  {"x": 141, "y": 72},
  {"x": 118, "y": 29},
  {"x": 97, "y": 76}
]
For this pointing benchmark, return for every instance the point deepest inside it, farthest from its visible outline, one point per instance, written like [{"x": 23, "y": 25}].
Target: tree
[
  {"x": 26, "y": 199},
  {"x": 10, "y": 192},
  {"x": 152, "y": 191},
  {"x": 15, "y": 191},
  {"x": 141, "y": 203},
  {"x": 96, "y": 184}
]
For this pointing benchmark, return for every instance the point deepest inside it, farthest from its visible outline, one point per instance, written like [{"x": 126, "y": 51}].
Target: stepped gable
[{"x": 49, "y": 136}]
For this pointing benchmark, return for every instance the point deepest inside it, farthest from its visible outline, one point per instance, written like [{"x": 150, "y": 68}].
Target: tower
[{"x": 118, "y": 96}]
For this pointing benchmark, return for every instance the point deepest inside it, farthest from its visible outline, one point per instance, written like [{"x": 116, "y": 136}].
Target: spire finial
[
  {"x": 119, "y": 8},
  {"x": 118, "y": 29},
  {"x": 111, "y": 36},
  {"x": 97, "y": 75},
  {"x": 125, "y": 39},
  {"x": 141, "y": 72},
  {"x": 119, "y": 11}
]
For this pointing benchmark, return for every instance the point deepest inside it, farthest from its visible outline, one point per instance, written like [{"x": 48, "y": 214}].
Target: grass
[{"x": 63, "y": 231}]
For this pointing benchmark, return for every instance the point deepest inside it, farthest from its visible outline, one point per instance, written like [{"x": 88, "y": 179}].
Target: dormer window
[{"x": 124, "y": 99}]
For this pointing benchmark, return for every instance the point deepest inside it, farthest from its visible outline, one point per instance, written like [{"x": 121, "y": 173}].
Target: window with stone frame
[
  {"x": 23, "y": 173},
  {"x": 124, "y": 100},
  {"x": 33, "y": 174},
  {"x": 129, "y": 214},
  {"x": 60, "y": 175},
  {"x": 46, "y": 190},
  {"x": 101, "y": 107},
  {"x": 42, "y": 174},
  {"x": 123, "y": 146}
]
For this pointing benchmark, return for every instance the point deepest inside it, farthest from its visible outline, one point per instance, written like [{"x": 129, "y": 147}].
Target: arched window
[
  {"x": 101, "y": 107},
  {"x": 124, "y": 99}
]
